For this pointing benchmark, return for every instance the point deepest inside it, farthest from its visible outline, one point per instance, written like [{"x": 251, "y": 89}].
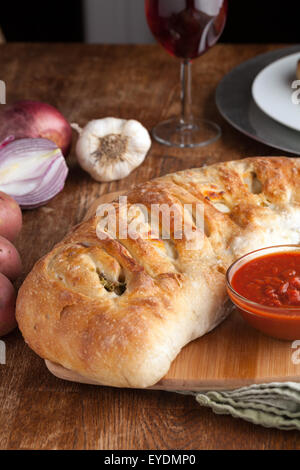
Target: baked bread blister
[{"x": 118, "y": 311}]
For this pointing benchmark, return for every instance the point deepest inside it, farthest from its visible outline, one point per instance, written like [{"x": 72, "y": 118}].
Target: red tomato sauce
[{"x": 272, "y": 280}]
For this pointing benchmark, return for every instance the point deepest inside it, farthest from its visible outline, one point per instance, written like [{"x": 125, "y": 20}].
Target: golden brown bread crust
[{"x": 68, "y": 314}]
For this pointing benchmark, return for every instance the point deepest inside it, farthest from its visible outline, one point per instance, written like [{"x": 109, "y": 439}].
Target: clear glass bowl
[{"x": 279, "y": 322}]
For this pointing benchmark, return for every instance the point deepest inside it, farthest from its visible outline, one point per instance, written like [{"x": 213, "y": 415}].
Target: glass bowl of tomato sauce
[{"x": 265, "y": 287}]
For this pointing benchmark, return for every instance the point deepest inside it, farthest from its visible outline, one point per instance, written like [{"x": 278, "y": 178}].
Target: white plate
[{"x": 272, "y": 91}]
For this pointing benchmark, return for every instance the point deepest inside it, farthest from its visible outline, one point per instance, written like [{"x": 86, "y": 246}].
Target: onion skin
[
  {"x": 7, "y": 306},
  {"x": 10, "y": 217},
  {"x": 10, "y": 261},
  {"x": 35, "y": 119}
]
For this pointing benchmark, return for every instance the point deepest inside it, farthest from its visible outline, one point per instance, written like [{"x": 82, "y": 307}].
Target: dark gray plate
[{"x": 235, "y": 103}]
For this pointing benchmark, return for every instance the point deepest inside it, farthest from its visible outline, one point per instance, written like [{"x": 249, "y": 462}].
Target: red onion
[
  {"x": 35, "y": 119},
  {"x": 32, "y": 171},
  {"x": 6, "y": 141}
]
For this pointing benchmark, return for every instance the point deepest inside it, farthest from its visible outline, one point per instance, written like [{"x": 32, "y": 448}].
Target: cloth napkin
[{"x": 273, "y": 405}]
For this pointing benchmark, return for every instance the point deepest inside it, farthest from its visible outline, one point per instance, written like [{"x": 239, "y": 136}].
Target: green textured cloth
[{"x": 273, "y": 405}]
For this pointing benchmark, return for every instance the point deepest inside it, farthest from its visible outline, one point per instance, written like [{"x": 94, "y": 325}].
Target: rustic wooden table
[{"x": 38, "y": 411}]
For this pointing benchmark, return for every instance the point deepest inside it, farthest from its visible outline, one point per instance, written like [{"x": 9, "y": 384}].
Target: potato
[
  {"x": 7, "y": 306},
  {"x": 10, "y": 217},
  {"x": 10, "y": 261}
]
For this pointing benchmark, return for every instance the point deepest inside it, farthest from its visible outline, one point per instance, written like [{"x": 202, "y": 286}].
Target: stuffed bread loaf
[{"x": 119, "y": 311}]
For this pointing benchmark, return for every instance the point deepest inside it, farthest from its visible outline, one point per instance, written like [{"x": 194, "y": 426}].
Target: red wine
[{"x": 186, "y": 28}]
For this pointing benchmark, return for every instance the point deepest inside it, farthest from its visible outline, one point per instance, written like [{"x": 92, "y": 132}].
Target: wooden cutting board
[{"x": 232, "y": 355}]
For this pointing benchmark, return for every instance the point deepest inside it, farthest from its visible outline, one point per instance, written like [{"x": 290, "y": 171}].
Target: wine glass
[{"x": 186, "y": 29}]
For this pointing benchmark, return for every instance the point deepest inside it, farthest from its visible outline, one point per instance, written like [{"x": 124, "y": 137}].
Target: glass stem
[{"x": 186, "y": 93}]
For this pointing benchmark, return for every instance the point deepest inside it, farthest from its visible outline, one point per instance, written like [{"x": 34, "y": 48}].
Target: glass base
[{"x": 176, "y": 134}]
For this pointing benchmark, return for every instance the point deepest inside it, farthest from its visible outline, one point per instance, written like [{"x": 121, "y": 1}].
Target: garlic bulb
[{"x": 109, "y": 149}]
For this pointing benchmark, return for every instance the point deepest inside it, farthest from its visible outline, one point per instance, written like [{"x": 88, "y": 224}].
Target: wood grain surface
[{"x": 38, "y": 411}]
